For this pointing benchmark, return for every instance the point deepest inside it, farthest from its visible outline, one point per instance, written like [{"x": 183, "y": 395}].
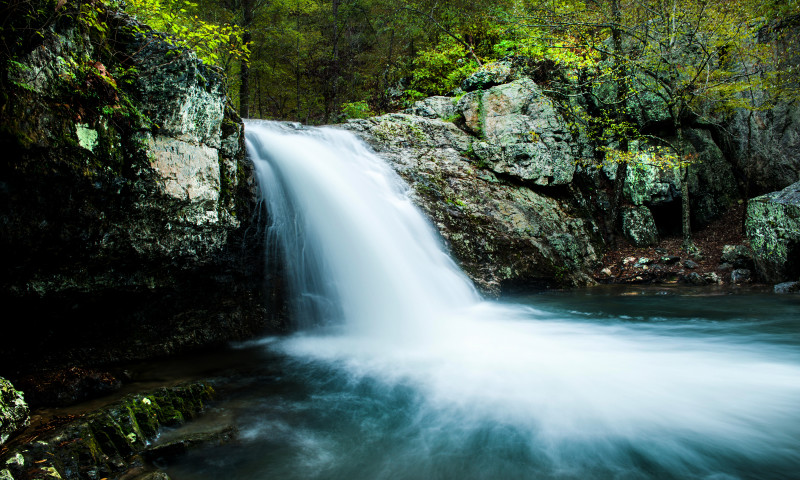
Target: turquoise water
[{"x": 646, "y": 384}]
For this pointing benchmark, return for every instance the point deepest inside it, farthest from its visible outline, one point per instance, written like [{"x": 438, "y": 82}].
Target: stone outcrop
[
  {"x": 14, "y": 412},
  {"x": 520, "y": 133},
  {"x": 502, "y": 232},
  {"x": 126, "y": 201},
  {"x": 106, "y": 442},
  {"x": 773, "y": 228}
]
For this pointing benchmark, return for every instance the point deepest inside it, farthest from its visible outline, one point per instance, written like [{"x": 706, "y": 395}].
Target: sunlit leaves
[{"x": 212, "y": 42}]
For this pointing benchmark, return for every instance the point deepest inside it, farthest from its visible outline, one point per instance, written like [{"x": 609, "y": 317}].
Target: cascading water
[{"x": 420, "y": 378}]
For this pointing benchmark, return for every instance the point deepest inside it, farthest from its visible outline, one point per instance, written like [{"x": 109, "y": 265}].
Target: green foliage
[
  {"x": 359, "y": 109},
  {"x": 214, "y": 43},
  {"x": 439, "y": 70}
]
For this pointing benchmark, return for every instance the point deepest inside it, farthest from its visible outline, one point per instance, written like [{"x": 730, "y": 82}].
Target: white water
[{"x": 582, "y": 397}]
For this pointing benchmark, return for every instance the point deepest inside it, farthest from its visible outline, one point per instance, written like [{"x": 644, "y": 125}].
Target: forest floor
[{"x": 666, "y": 262}]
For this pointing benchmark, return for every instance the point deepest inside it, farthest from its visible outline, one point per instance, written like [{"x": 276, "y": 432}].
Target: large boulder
[
  {"x": 14, "y": 412},
  {"x": 502, "y": 233},
  {"x": 126, "y": 200},
  {"x": 521, "y": 133},
  {"x": 639, "y": 227},
  {"x": 773, "y": 228},
  {"x": 712, "y": 184}
]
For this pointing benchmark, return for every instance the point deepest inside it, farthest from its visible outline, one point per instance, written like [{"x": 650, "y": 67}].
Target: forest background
[{"x": 322, "y": 61}]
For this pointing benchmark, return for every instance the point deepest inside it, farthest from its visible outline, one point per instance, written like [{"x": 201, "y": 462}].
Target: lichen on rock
[
  {"x": 773, "y": 229},
  {"x": 503, "y": 234},
  {"x": 14, "y": 412}
]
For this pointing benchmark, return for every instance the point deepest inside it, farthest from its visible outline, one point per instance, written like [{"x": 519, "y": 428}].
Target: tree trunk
[
  {"x": 244, "y": 70},
  {"x": 621, "y": 81},
  {"x": 686, "y": 218}
]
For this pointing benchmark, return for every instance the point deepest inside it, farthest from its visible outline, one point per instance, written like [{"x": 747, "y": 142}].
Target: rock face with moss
[
  {"x": 13, "y": 410},
  {"x": 503, "y": 233},
  {"x": 773, "y": 228},
  {"x": 126, "y": 199},
  {"x": 520, "y": 133},
  {"x": 106, "y": 442}
]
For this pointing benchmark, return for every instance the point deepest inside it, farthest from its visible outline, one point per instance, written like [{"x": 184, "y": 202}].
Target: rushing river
[{"x": 403, "y": 372}]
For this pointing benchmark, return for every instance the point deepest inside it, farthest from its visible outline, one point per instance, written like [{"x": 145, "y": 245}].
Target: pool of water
[{"x": 602, "y": 383}]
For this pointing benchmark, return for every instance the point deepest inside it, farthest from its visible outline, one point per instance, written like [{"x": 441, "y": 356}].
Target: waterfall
[
  {"x": 354, "y": 245},
  {"x": 556, "y": 394}
]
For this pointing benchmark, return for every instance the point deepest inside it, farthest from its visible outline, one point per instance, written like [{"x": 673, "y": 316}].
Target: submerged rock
[
  {"x": 773, "y": 229},
  {"x": 14, "y": 412}
]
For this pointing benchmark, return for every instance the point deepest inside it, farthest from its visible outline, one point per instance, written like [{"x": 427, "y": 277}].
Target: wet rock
[
  {"x": 14, "y": 412},
  {"x": 690, "y": 264},
  {"x": 787, "y": 287},
  {"x": 164, "y": 449},
  {"x": 773, "y": 229},
  {"x": 106, "y": 442},
  {"x": 741, "y": 275},
  {"x": 639, "y": 227}
]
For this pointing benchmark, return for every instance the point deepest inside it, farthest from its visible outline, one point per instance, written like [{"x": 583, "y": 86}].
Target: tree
[{"x": 687, "y": 57}]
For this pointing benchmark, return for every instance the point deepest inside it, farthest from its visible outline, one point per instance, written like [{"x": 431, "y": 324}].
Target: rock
[
  {"x": 712, "y": 184},
  {"x": 628, "y": 260},
  {"x": 724, "y": 266},
  {"x": 126, "y": 200},
  {"x": 645, "y": 261},
  {"x": 181, "y": 444},
  {"x": 489, "y": 75},
  {"x": 690, "y": 264},
  {"x": 522, "y": 134},
  {"x": 434, "y": 107},
  {"x": 787, "y": 287},
  {"x": 108, "y": 441},
  {"x": 712, "y": 278},
  {"x": 739, "y": 256},
  {"x": 607, "y": 272},
  {"x": 773, "y": 229},
  {"x": 740, "y": 275},
  {"x": 696, "y": 279},
  {"x": 669, "y": 259},
  {"x": 147, "y": 476},
  {"x": 639, "y": 227},
  {"x": 502, "y": 233},
  {"x": 67, "y": 386},
  {"x": 14, "y": 412}
]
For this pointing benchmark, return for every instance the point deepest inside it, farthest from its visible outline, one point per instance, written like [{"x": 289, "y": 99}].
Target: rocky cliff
[
  {"x": 513, "y": 189},
  {"x": 127, "y": 200}
]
